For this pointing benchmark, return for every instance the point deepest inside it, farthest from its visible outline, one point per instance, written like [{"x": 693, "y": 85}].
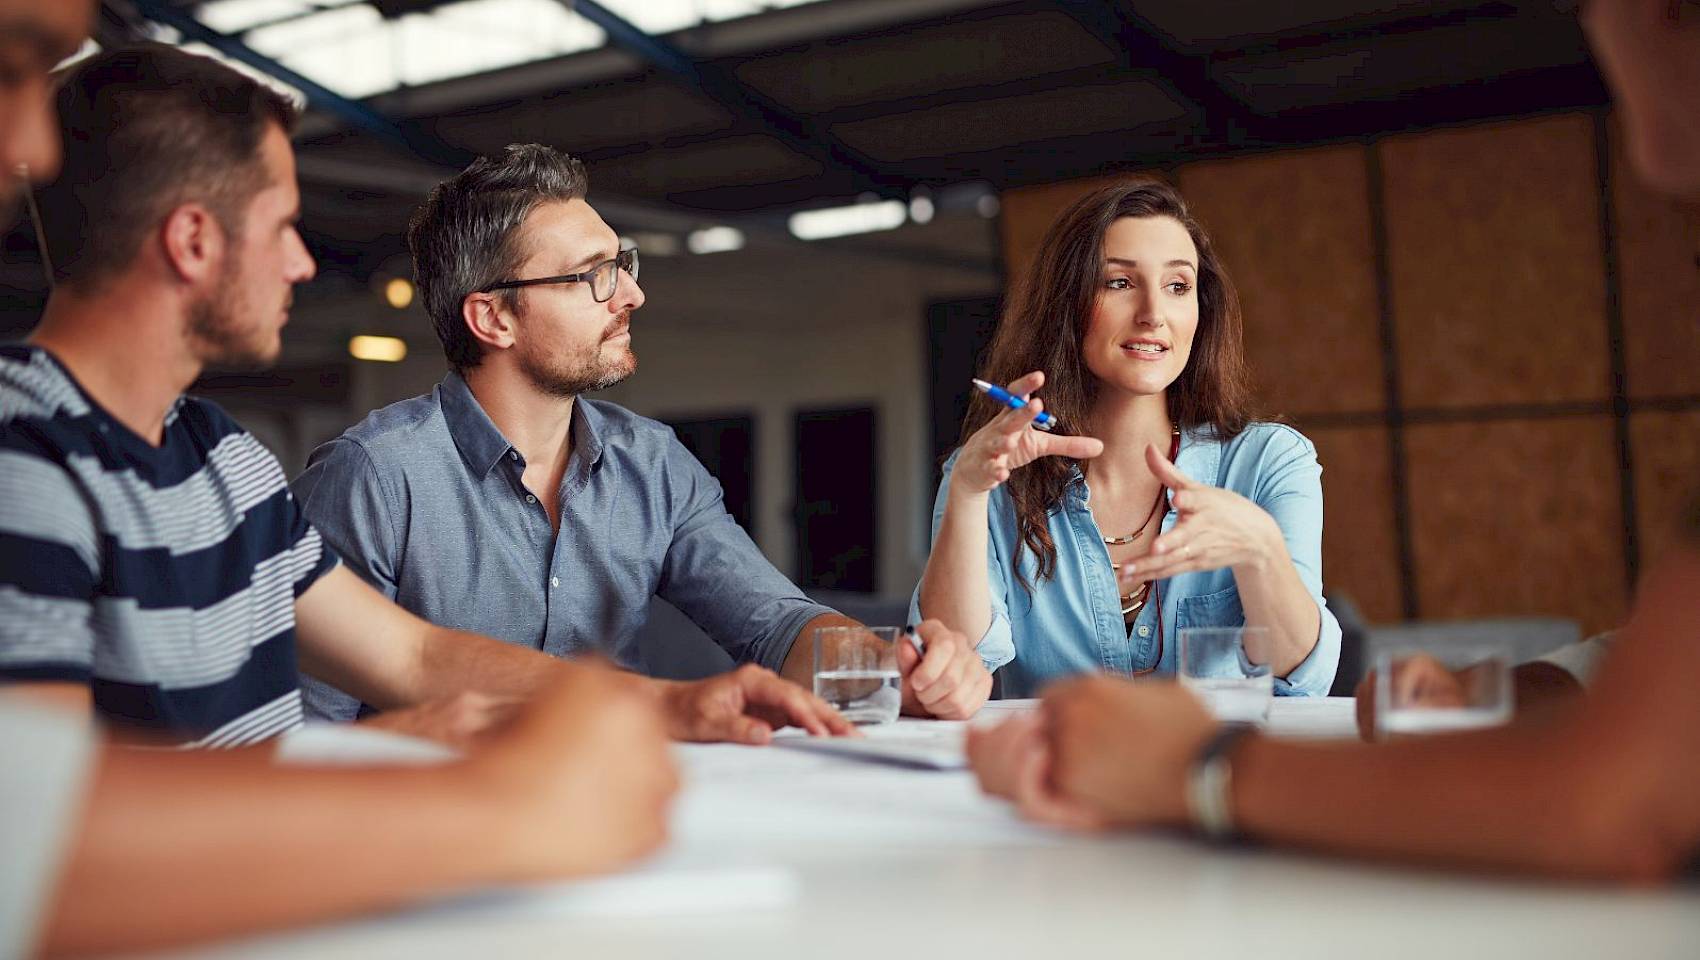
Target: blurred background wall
[{"x": 1450, "y": 281}]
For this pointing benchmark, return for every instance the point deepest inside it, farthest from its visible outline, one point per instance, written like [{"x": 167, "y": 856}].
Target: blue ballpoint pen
[{"x": 1043, "y": 421}]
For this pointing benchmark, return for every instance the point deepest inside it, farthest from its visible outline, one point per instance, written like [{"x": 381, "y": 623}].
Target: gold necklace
[{"x": 1133, "y": 602}]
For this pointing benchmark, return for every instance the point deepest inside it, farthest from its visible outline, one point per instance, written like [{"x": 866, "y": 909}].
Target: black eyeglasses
[{"x": 604, "y": 278}]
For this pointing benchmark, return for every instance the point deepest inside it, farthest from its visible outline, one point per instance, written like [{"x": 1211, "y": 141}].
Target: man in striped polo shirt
[
  {"x": 152, "y": 559},
  {"x": 167, "y": 845}
]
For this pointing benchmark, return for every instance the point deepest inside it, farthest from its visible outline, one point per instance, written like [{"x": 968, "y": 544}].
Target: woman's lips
[{"x": 1145, "y": 354}]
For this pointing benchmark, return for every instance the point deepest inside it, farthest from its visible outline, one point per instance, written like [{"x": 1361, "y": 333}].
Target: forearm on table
[
  {"x": 1533, "y": 798},
  {"x": 182, "y": 847},
  {"x": 799, "y": 665},
  {"x": 454, "y": 661},
  {"x": 956, "y": 587},
  {"x": 1274, "y": 596}
]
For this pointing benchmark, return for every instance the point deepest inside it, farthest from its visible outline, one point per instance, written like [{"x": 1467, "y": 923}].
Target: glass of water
[
  {"x": 1441, "y": 688},
  {"x": 1214, "y": 665},
  {"x": 856, "y": 672}
]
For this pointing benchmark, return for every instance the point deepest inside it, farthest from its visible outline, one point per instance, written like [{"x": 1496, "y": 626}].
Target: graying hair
[{"x": 466, "y": 236}]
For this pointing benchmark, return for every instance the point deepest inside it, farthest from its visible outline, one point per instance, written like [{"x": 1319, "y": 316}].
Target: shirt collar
[
  {"x": 1201, "y": 455},
  {"x": 587, "y": 436},
  {"x": 482, "y": 444}
]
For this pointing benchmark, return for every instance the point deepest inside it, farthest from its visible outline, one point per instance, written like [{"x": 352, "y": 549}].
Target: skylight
[{"x": 350, "y": 47}]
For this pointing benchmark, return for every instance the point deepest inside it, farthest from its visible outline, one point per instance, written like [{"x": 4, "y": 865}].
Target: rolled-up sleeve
[
  {"x": 716, "y": 575},
  {"x": 996, "y": 646},
  {"x": 1290, "y": 489}
]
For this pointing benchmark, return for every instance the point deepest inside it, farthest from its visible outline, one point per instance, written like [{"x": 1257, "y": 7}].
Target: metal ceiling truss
[
  {"x": 718, "y": 83},
  {"x": 422, "y": 145},
  {"x": 1185, "y": 78},
  {"x": 711, "y": 80},
  {"x": 351, "y": 112}
]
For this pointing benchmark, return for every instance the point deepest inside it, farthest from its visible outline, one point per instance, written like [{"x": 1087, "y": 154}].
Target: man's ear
[
  {"x": 193, "y": 243},
  {"x": 487, "y": 321}
]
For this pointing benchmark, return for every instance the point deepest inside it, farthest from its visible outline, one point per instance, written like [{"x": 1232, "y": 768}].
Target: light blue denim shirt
[{"x": 1072, "y": 623}]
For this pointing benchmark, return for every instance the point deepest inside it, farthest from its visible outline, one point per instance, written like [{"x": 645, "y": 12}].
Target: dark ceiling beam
[
  {"x": 348, "y": 111},
  {"x": 1569, "y": 87},
  {"x": 1358, "y": 32},
  {"x": 1554, "y": 90},
  {"x": 719, "y": 84},
  {"x": 1095, "y": 75},
  {"x": 1143, "y": 49}
]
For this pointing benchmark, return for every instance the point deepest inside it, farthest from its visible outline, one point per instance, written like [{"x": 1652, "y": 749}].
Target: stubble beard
[
  {"x": 583, "y": 372},
  {"x": 218, "y": 335}
]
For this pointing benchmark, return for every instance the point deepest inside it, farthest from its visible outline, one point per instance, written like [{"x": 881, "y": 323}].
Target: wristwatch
[{"x": 1208, "y": 782}]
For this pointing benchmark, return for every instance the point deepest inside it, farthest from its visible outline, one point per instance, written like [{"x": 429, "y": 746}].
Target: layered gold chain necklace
[{"x": 1134, "y": 602}]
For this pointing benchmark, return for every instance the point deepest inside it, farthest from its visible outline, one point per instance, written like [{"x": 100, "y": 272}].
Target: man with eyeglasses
[
  {"x": 153, "y": 564},
  {"x": 105, "y": 848},
  {"x": 507, "y": 503}
]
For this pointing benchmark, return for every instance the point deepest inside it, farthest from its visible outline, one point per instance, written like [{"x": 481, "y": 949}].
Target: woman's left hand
[{"x": 1215, "y": 528}]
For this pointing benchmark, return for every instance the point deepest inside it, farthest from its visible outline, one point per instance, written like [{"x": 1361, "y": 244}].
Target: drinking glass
[
  {"x": 1214, "y": 665},
  {"x": 1441, "y": 688}
]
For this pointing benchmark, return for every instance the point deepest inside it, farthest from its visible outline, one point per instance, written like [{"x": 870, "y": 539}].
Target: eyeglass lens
[{"x": 607, "y": 275}]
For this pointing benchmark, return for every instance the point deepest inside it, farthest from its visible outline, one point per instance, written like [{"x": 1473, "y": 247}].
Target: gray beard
[
  {"x": 582, "y": 374},
  {"x": 581, "y": 377}
]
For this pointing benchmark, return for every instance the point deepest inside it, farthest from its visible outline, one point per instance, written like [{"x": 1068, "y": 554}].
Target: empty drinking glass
[
  {"x": 1441, "y": 688},
  {"x": 1214, "y": 665}
]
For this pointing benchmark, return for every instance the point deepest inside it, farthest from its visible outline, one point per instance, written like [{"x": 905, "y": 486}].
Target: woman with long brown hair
[{"x": 1168, "y": 508}]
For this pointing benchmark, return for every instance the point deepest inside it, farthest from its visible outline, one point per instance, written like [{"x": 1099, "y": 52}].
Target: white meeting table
[{"x": 786, "y": 853}]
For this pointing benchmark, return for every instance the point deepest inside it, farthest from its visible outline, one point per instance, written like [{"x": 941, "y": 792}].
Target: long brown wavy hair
[{"x": 1044, "y": 325}]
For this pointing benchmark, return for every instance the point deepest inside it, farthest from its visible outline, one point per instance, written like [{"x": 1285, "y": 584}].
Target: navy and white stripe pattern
[{"x": 164, "y": 578}]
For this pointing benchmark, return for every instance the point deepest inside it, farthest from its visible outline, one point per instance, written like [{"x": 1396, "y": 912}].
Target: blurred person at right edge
[
  {"x": 106, "y": 848},
  {"x": 1606, "y": 786}
]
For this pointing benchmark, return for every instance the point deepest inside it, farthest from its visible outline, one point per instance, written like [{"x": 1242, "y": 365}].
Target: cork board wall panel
[
  {"x": 1360, "y": 557},
  {"x": 1666, "y": 449},
  {"x": 1026, "y": 213},
  {"x": 1495, "y": 265},
  {"x": 1294, "y": 230},
  {"x": 1517, "y": 518},
  {"x": 1658, "y": 258}
]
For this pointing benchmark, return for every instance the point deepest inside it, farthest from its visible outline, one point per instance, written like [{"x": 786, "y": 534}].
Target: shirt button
[
  {"x": 1145, "y": 631},
  {"x": 513, "y": 454},
  {"x": 554, "y": 581},
  {"x": 530, "y": 499}
]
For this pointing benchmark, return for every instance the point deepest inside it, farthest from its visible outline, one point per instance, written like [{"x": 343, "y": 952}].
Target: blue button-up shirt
[
  {"x": 1073, "y": 622},
  {"x": 424, "y": 499}
]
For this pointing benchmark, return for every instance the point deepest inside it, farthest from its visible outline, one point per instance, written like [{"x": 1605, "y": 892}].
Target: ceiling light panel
[
  {"x": 235, "y": 16},
  {"x": 666, "y": 16}
]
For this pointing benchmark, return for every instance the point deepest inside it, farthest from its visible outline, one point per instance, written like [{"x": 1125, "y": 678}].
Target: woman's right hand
[{"x": 1009, "y": 442}]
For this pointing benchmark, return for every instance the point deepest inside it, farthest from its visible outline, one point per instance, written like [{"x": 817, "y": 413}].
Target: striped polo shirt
[{"x": 164, "y": 578}]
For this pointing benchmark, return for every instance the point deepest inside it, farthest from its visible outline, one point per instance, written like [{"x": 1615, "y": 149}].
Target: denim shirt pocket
[{"x": 1219, "y": 609}]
